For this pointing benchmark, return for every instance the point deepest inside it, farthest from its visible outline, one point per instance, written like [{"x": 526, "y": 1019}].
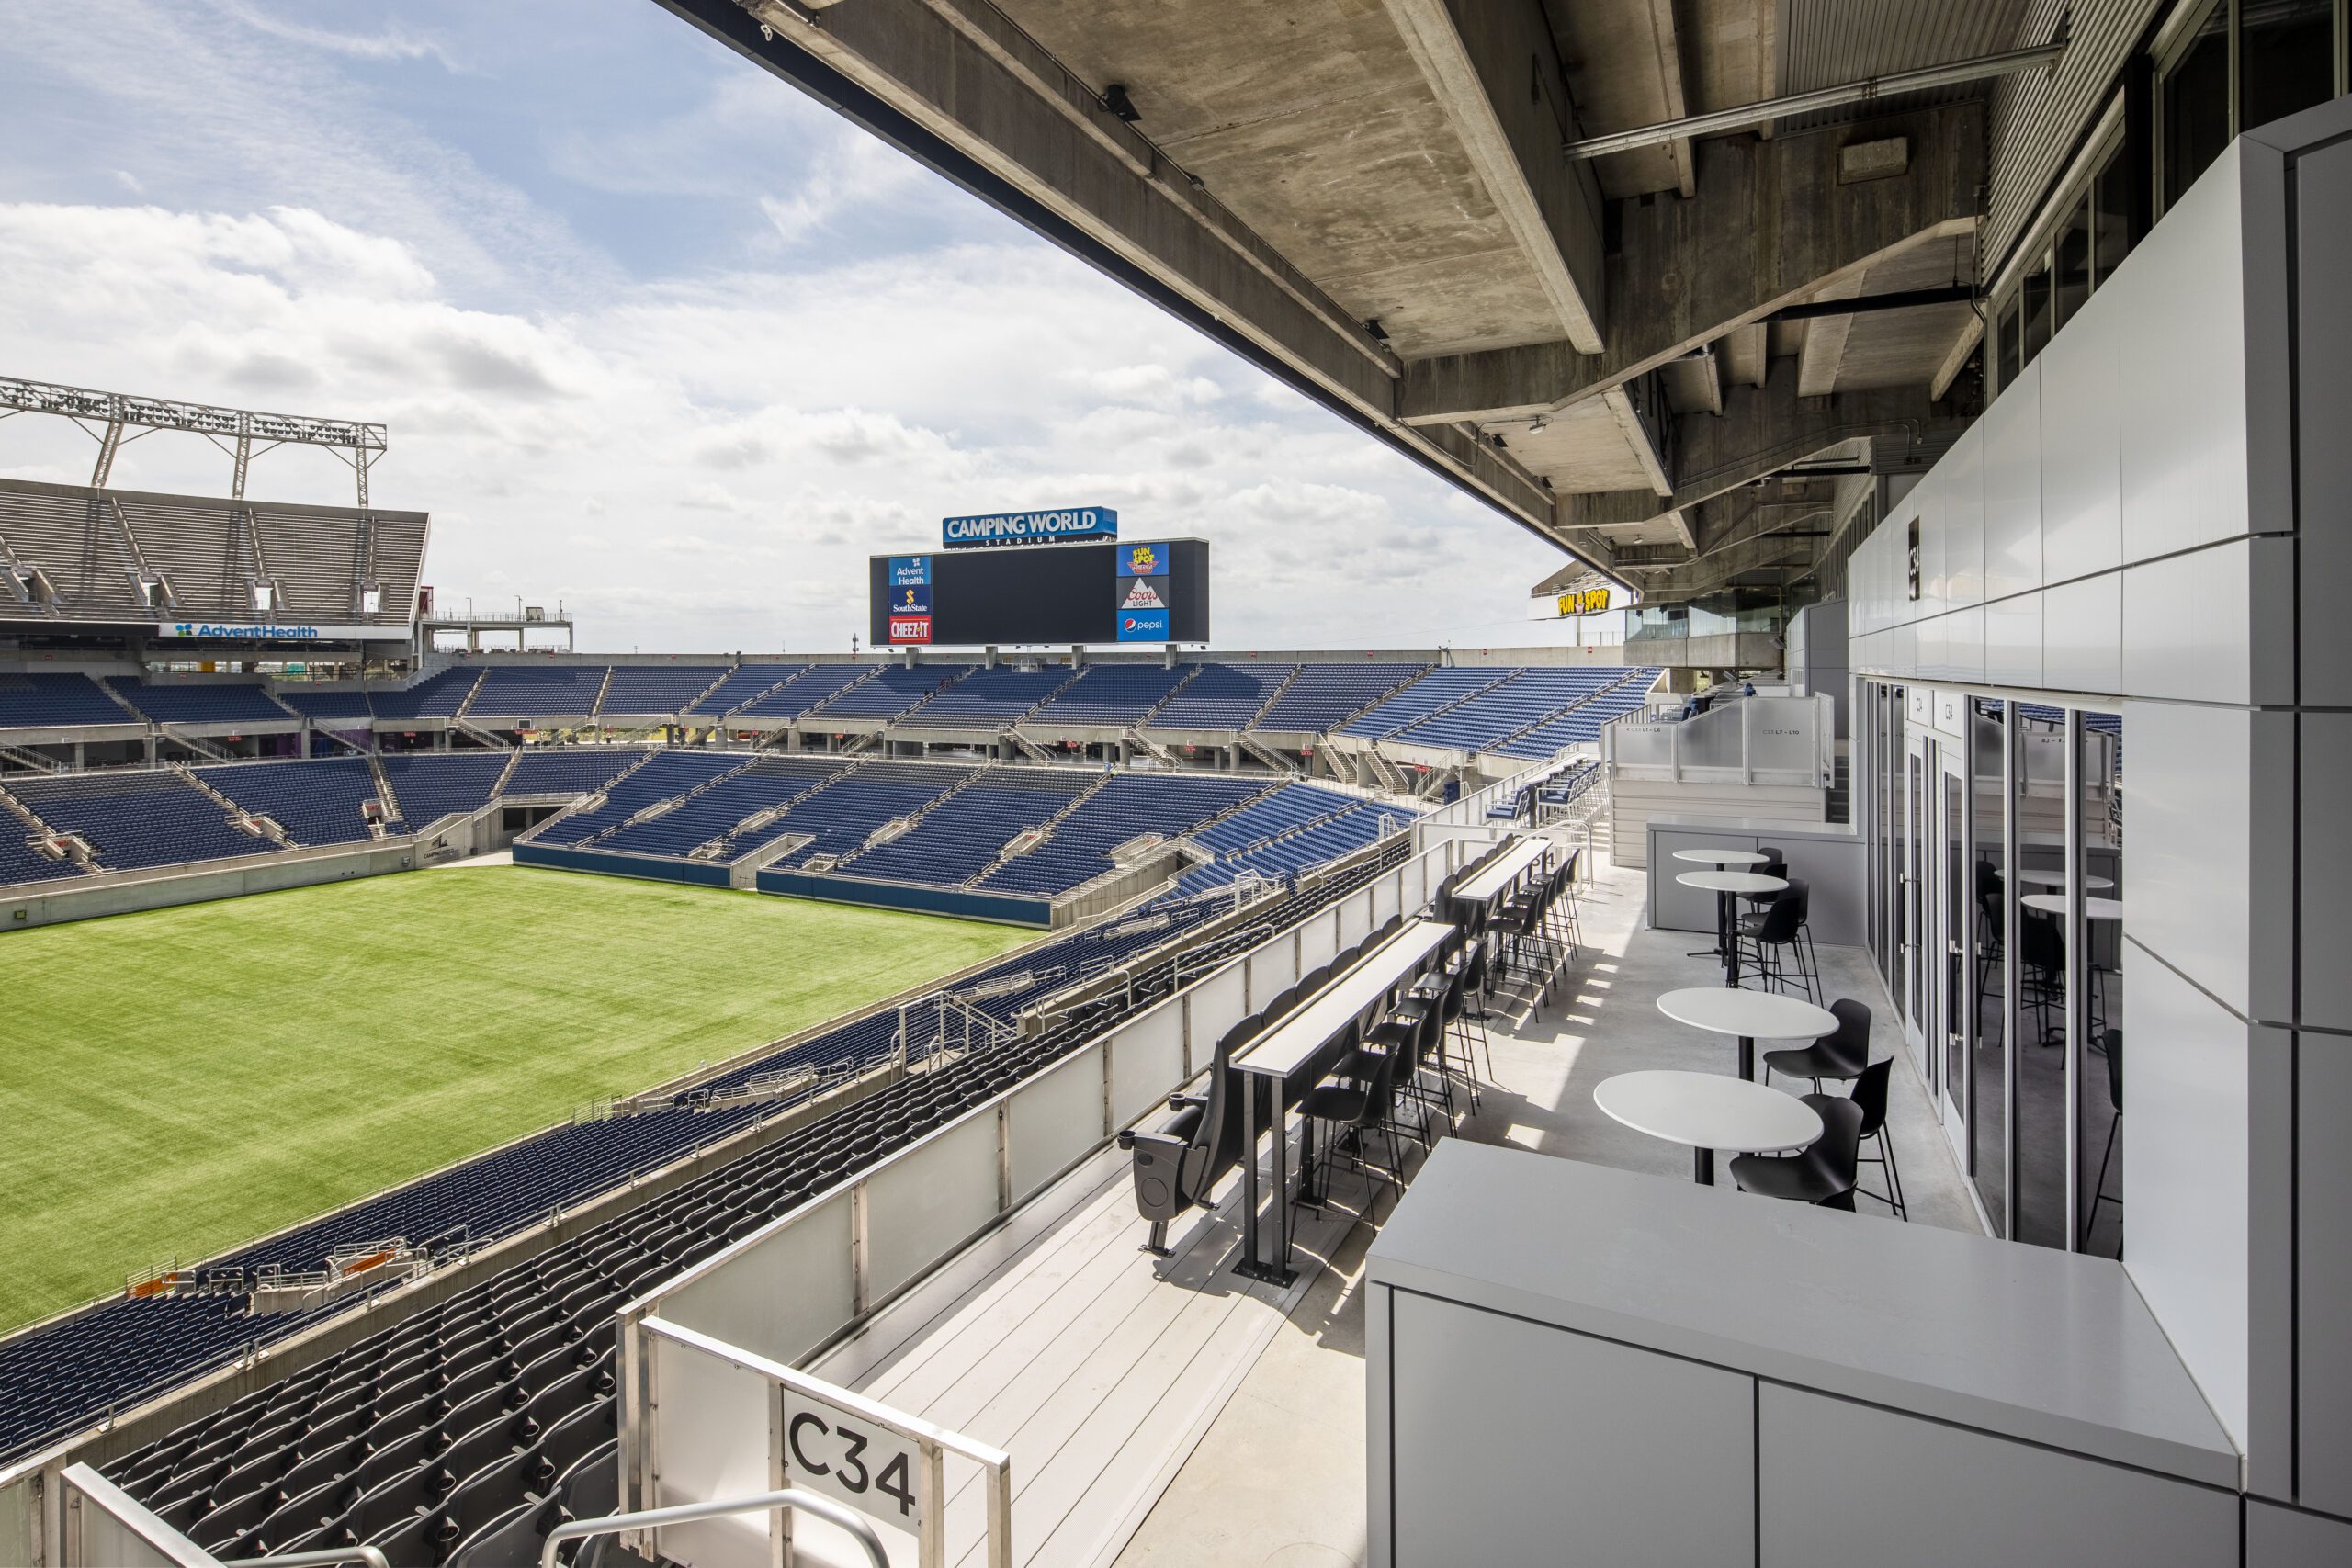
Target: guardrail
[
  {"x": 1754, "y": 741},
  {"x": 799, "y": 1283}
]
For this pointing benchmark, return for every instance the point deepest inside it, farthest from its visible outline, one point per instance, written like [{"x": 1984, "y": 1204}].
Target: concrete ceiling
[{"x": 1370, "y": 196}]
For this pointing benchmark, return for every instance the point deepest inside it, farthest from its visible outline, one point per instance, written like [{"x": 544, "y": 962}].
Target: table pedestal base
[{"x": 1703, "y": 1167}]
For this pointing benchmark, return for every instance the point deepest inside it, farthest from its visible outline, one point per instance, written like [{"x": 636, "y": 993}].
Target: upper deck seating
[
  {"x": 653, "y": 690},
  {"x": 804, "y": 691},
  {"x": 429, "y": 785},
  {"x": 842, "y": 816},
  {"x": 669, "y": 773},
  {"x": 327, "y": 706},
  {"x": 317, "y": 802},
  {"x": 1503, "y": 709},
  {"x": 42, "y": 700},
  {"x": 568, "y": 770},
  {"x": 1115, "y": 695},
  {"x": 138, "y": 818},
  {"x": 990, "y": 699},
  {"x": 201, "y": 702},
  {"x": 1581, "y": 724},
  {"x": 1222, "y": 696},
  {"x": 894, "y": 689},
  {"x": 713, "y": 813},
  {"x": 1326, "y": 694},
  {"x": 744, "y": 683},
  {"x": 438, "y": 695},
  {"x": 957, "y": 839},
  {"x": 532, "y": 691},
  {"x": 1438, "y": 689},
  {"x": 1129, "y": 805}
]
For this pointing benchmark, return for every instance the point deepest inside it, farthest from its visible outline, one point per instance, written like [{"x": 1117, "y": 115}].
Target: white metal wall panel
[
  {"x": 2186, "y": 623},
  {"x": 1055, "y": 1118},
  {"x": 2186, "y": 1178},
  {"x": 2013, "y": 642},
  {"x": 2324, "y": 1283},
  {"x": 1965, "y": 517},
  {"x": 2012, "y": 428},
  {"x": 783, "y": 1295},
  {"x": 2324, "y": 887},
  {"x": 2082, "y": 634},
  {"x": 1965, "y": 646},
  {"x": 1147, "y": 1060},
  {"x": 2183, "y": 390},
  {"x": 2191, "y": 813},
  {"x": 1931, "y": 500},
  {"x": 2080, "y": 515},
  {"x": 1927, "y": 647},
  {"x": 927, "y": 1201},
  {"x": 2323, "y": 391}
]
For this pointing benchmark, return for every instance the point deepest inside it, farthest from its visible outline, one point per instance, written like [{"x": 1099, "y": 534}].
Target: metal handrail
[
  {"x": 371, "y": 1556},
  {"x": 685, "y": 1513}
]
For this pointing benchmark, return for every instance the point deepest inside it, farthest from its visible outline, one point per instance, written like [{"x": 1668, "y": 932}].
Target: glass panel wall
[
  {"x": 2035, "y": 297},
  {"x": 2286, "y": 58},
  {"x": 2038, "y": 1056},
  {"x": 2099, "y": 1138},
  {"x": 2111, "y": 230},
  {"x": 2196, "y": 100},
  {"x": 1988, "y": 1125},
  {"x": 2073, "y": 253}
]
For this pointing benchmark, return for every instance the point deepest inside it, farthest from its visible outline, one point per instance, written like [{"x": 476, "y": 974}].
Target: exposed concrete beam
[
  {"x": 1824, "y": 342},
  {"x": 1771, "y": 226},
  {"x": 1962, "y": 347},
  {"x": 1666, "y": 49},
  {"x": 1493, "y": 67},
  {"x": 1747, "y": 351},
  {"x": 1640, "y": 438},
  {"x": 1761, "y": 431},
  {"x": 1751, "y": 552},
  {"x": 958, "y": 87}
]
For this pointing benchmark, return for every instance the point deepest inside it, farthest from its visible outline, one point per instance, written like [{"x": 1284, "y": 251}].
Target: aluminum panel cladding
[{"x": 1047, "y": 595}]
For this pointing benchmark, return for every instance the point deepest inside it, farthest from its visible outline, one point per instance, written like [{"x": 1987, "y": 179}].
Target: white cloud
[{"x": 392, "y": 43}]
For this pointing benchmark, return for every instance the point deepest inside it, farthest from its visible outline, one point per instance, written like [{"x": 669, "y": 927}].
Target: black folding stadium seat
[
  {"x": 512, "y": 1540},
  {"x": 398, "y": 1499},
  {"x": 224, "y": 1531}
]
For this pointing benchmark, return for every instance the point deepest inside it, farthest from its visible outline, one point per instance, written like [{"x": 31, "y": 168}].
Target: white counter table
[{"x": 1573, "y": 1364}]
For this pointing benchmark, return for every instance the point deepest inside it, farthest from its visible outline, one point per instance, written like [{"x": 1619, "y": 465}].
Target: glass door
[
  {"x": 1913, "y": 837},
  {"x": 1953, "y": 945}
]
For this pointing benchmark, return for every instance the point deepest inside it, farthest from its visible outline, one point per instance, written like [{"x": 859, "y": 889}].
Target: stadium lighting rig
[{"x": 114, "y": 418}]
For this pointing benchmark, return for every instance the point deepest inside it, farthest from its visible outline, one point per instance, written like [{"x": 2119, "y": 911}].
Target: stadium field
[{"x": 179, "y": 1081}]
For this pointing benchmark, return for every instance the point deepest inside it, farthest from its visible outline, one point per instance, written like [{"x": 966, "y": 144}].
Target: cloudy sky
[{"x": 655, "y": 335}]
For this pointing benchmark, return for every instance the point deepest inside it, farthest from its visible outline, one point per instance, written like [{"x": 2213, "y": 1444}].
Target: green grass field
[{"x": 176, "y": 1082}]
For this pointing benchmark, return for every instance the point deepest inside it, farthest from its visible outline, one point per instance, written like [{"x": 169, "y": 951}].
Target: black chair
[
  {"x": 1870, "y": 1093},
  {"x": 1842, "y": 1053},
  {"x": 2042, "y": 954},
  {"x": 1350, "y": 1110},
  {"x": 1823, "y": 1172},
  {"x": 1776, "y": 939},
  {"x": 2115, "y": 1103},
  {"x": 1179, "y": 1163}
]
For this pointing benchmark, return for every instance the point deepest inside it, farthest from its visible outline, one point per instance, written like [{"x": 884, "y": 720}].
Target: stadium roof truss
[{"x": 113, "y": 419}]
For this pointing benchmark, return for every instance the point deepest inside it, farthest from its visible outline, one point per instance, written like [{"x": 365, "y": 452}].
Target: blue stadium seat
[
  {"x": 317, "y": 802},
  {"x": 1222, "y": 696},
  {"x": 200, "y": 703},
  {"x": 1112, "y": 695},
  {"x": 656, "y": 690},
  {"x": 1326, "y": 694},
  {"x": 139, "y": 817},
  {"x": 537, "y": 691},
  {"x": 44, "y": 701},
  {"x": 429, "y": 785}
]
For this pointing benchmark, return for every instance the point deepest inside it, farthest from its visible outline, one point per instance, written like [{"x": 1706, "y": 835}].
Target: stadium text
[{"x": 1030, "y": 527}]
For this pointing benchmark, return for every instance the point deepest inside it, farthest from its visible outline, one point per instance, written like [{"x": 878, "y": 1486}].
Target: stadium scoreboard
[{"x": 1151, "y": 591}]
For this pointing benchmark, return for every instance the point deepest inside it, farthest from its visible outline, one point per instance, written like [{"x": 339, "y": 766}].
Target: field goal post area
[{"x": 749, "y": 1424}]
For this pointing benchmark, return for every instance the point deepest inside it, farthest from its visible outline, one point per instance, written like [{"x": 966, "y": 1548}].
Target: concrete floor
[{"x": 1279, "y": 1478}]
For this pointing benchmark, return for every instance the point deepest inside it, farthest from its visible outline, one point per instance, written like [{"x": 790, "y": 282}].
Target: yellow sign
[{"x": 1591, "y": 601}]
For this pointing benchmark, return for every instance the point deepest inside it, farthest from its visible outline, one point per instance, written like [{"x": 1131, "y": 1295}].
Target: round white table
[
  {"x": 1708, "y": 1111},
  {"x": 2042, "y": 878},
  {"x": 1721, "y": 857},
  {"x": 1748, "y": 1016},
  {"x": 1725, "y": 885},
  {"x": 2093, "y": 909}
]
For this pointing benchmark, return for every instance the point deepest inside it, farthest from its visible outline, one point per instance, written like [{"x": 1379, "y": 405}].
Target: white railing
[{"x": 792, "y": 1288}]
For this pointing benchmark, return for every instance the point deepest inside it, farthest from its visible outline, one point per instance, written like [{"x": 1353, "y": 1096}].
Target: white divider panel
[
  {"x": 1055, "y": 1119},
  {"x": 1147, "y": 1061},
  {"x": 720, "y": 1449},
  {"x": 1319, "y": 940},
  {"x": 780, "y": 1293},
  {"x": 1270, "y": 968},
  {"x": 1416, "y": 882},
  {"x": 1385, "y": 904},
  {"x": 1355, "y": 919},
  {"x": 927, "y": 1201},
  {"x": 1217, "y": 1002}
]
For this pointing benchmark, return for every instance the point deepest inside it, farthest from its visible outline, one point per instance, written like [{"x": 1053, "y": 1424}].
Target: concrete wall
[
  {"x": 2125, "y": 530},
  {"x": 84, "y": 899}
]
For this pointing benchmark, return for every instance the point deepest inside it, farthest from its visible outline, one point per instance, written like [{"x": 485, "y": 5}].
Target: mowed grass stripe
[{"x": 183, "y": 1080}]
